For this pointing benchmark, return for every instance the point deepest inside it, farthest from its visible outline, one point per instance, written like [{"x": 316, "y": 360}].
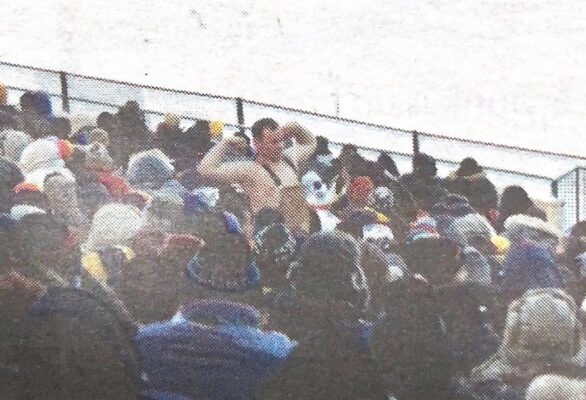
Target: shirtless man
[{"x": 272, "y": 170}]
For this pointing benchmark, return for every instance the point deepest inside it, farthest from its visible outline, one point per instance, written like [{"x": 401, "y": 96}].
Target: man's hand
[{"x": 236, "y": 143}]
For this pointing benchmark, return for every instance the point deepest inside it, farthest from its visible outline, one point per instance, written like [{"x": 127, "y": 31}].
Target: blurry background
[{"x": 494, "y": 70}]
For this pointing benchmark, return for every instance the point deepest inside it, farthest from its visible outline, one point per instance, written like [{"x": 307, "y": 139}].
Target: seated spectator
[
  {"x": 423, "y": 183},
  {"x": 471, "y": 181},
  {"x": 64, "y": 204},
  {"x": 36, "y": 114},
  {"x": 542, "y": 336},
  {"x": 330, "y": 293}
]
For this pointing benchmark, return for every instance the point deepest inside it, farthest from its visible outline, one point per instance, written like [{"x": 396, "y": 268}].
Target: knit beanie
[
  {"x": 13, "y": 143},
  {"x": 149, "y": 170},
  {"x": 423, "y": 228},
  {"x": 529, "y": 266},
  {"x": 359, "y": 190},
  {"x": 555, "y": 387},
  {"x": 44, "y": 153},
  {"x": 113, "y": 225},
  {"x": 542, "y": 329},
  {"x": 450, "y": 207},
  {"x": 465, "y": 228},
  {"x": 42, "y": 105}
]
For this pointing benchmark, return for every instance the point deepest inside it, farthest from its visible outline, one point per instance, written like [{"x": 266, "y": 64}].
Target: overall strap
[{"x": 274, "y": 176}]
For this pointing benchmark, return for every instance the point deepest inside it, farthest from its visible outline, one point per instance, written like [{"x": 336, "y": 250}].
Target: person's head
[
  {"x": 575, "y": 243},
  {"x": 542, "y": 335},
  {"x": 10, "y": 176},
  {"x": 61, "y": 127},
  {"x": 328, "y": 272},
  {"x": 274, "y": 248},
  {"x": 514, "y": 200},
  {"x": 556, "y": 387},
  {"x": 149, "y": 170},
  {"x": 42, "y": 105},
  {"x": 359, "y": 191},
  {"x": 43, "y": 240},
  {"x": 528, "y": 266},
  {"x": 469, "y": 167},
  {"x": 27, "y": 101},
  {"x": 113, "y": 225},
  {"x": 268, "y": 141},
  {"x": 61, "y": 193},
  {"x": 98, "y": 135},
  {"x": 106, "y": 121},
  {"x": 472, "y": 230},
  {"x": 424, "y": 165},
  {"x": 163, "y": 211},
  {"x": 97, "y": 158}
]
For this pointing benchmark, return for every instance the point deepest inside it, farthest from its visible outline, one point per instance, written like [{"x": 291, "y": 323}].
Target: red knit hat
[{"x": 359, "y": 189}]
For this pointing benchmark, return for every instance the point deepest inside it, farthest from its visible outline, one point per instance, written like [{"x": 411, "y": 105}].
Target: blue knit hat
[{"x": 529, "y": 266}]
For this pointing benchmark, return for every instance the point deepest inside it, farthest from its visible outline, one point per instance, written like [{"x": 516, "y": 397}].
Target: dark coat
[
  {"x": 479, "y": 191},
  {"x": 330, "y": 365},
  {"x": 75, "y": 345}
]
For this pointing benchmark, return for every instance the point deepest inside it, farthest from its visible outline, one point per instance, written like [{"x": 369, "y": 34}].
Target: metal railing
[{"x": 535, "y": 170}]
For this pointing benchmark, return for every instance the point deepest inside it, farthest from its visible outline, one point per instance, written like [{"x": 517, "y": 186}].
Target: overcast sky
[{"x": 508, "y": 71}]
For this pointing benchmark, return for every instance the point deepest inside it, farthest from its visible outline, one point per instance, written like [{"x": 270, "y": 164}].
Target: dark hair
[
  {"x": 259, "y": 126},
  {"x": 388, "y": 164},
  {"x": 27, "y": 101},
  {"x": 468, "y": 167}
]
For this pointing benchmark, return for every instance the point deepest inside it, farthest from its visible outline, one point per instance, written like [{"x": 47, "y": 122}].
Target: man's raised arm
[
  {"x": 306, "y": 142},
  {"x": 214, "y": 167}
]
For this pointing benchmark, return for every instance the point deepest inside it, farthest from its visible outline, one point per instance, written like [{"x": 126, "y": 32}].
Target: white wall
[{"x": 507, "y": 71}]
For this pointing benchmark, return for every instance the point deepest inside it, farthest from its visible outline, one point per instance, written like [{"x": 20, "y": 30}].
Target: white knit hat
[
  {"x": 113, "y": 224},
  {"x": 554, "y": 387},
  {"x": 44, "y": 153},
  {"x": 38, "y": 176}
]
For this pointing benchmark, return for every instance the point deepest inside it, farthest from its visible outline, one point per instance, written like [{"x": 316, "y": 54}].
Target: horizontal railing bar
[{"x": 316, "y": 114}]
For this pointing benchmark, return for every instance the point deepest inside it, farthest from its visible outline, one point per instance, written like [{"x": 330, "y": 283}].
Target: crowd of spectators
[{"x": 192, "y": 264}]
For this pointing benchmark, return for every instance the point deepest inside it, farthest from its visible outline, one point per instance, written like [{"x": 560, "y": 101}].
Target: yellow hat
[
  {"x": 216, "y": 128},
  {"x": 500, "y": 243}
]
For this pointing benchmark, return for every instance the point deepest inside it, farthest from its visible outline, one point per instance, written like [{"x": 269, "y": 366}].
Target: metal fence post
[
  {"x": 577, "y": 195},
  {"x": 64, "y": 93},
  {"x": 240, "y": 114},
  {"x": 415, "y": 139}
]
